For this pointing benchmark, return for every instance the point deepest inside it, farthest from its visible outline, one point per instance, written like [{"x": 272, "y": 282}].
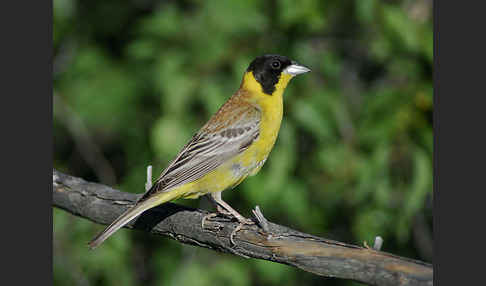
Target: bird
[{"x": 233, "y": 145}]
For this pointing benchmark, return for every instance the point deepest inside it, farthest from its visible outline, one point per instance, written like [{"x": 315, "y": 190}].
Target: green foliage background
[{"x": 354, "y": 155}]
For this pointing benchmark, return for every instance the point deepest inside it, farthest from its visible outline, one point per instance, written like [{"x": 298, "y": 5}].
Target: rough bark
[{"x": 102, "y": 204}]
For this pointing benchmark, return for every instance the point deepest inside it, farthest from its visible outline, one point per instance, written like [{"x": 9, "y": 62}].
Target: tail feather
[{"x": 128, "y": 216}]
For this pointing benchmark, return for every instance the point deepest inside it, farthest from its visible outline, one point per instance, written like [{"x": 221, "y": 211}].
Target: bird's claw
[
  {"x": 206, "y": 217},
  {"x": 242, "y": 221}
]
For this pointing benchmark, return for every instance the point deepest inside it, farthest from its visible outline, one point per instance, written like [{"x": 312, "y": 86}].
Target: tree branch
[{"x": 102, "y": 204}]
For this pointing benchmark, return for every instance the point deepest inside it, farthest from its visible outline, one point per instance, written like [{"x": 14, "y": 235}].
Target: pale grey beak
[{"x": 296, "y": 69}]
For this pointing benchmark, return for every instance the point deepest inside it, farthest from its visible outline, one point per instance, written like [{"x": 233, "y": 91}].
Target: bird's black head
[{"x": 267, "y": 70}]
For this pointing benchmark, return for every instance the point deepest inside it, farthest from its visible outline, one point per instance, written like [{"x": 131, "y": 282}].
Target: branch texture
[{"x": 102, "y": 204}]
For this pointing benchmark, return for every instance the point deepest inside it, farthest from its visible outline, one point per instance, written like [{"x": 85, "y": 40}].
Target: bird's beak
[{"x": 296, "y": 69}]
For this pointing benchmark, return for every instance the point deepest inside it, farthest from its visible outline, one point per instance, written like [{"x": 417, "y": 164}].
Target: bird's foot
[
  {"x": 207, "y": 217},
  {"x": 221, "y": 211},
  {"x": 242, "y": 221}
]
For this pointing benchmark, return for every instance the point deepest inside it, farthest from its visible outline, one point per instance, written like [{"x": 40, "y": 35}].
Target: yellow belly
[{"x": 248, "y": 163}]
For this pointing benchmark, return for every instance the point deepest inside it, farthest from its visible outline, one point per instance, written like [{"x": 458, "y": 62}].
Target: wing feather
[{"x": 222, "y": 138}]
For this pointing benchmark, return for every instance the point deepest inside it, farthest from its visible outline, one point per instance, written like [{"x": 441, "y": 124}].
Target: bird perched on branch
[{"x": 231, "y": 146}]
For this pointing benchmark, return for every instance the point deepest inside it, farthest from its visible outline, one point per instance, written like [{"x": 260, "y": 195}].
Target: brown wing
[{"x": 225, "y": 135}]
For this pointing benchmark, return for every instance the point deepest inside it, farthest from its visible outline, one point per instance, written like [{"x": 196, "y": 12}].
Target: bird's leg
[
  {"x": 225, "y": 209},
  {"x": 222, "y": 210},
  {"x": 206, "y": 217},
  {"x": 216, "y": 197},
  {"x": 218, "y": 208}
]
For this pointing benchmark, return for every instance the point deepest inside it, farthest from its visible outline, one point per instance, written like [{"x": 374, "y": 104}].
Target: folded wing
[{"x": 222, "y": 138}]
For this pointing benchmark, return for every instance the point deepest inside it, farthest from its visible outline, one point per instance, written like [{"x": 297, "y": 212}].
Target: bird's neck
[
  {"x": 249, "y": 83},
  {"x": 270, "y": 105}
]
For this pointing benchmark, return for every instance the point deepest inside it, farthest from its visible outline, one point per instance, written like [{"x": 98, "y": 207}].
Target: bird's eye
[{"x": 276, "y": 65}]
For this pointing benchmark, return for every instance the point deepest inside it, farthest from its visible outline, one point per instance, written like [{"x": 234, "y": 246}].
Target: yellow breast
[
  {"x": 251, "y": 160},
  {"x": 271, "y": 107}
]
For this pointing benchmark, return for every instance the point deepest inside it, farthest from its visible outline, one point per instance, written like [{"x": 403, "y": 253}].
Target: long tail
[{"x": 129, "y": 215}]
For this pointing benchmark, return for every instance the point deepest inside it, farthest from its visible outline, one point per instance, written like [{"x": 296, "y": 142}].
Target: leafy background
[{"x": 133, "y": 80}]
